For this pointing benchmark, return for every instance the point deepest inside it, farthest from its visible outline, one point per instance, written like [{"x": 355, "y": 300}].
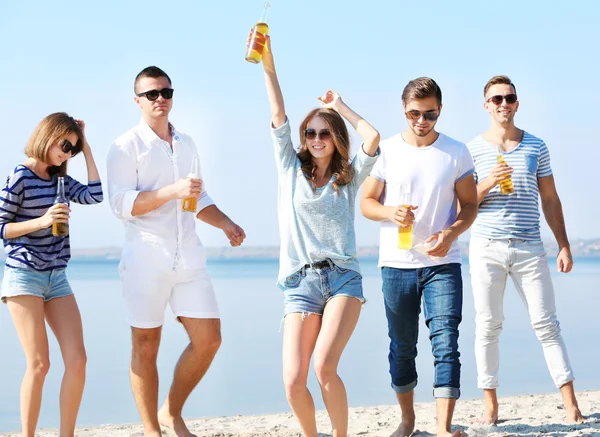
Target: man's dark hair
[
  {"x": 153, "y": 72},
  {"x": 421, "y": 88},
  {"x": 496, "y": 80}
]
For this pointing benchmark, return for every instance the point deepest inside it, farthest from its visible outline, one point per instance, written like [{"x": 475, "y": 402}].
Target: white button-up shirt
[{"x": 140, "y": 161}]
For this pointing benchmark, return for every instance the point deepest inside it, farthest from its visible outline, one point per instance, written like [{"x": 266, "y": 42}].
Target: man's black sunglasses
[{"x": 152, "y": 95}]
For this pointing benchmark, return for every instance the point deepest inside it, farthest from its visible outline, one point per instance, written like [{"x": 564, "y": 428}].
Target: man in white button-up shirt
[{"x": 163, "y": 260}]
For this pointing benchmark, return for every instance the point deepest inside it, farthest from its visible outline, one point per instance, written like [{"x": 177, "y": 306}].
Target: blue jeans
[{"x": 441, "y": 289}]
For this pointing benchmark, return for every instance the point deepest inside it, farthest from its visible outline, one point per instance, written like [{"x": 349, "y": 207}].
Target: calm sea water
[{"x": 245, "y": 377}]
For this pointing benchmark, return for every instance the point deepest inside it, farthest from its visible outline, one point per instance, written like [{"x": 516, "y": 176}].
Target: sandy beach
[{"x": 529, "y": 415}]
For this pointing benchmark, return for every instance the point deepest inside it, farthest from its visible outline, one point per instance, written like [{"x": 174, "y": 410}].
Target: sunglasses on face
[
  {"x": 67, "y": 147},
  {"x": 311, "y": 134},
  {"x": 428, "y": 116},
  {"x": 152, "y": 95},
  {"x": 497, "y": 100}
]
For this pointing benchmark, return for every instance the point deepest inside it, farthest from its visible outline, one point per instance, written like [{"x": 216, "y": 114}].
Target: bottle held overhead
[{"x": 257, "y": 42}]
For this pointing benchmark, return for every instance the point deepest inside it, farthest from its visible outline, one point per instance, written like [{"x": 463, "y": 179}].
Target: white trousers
[{"x": 491, "y": 262}]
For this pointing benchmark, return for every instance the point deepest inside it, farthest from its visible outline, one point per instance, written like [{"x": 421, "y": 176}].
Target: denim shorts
[
  {"x": 28, "y": 282},
  {"x": 309, "y": 289}
]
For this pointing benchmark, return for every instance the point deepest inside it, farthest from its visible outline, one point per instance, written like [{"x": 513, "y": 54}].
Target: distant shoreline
[{"x": 589, "y": 248}]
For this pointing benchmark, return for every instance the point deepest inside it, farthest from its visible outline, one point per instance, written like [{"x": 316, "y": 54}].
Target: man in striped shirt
[{"x": 505, "y": 240}]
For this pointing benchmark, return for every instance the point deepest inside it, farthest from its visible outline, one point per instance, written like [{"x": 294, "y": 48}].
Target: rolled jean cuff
[
  {"x": 446, "y": 392},
  {"x": 404, "y": 388}
]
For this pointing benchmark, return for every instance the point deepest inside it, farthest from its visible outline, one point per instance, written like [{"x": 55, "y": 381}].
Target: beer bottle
[
  {"x": 190, "y": 204},
  {"x": 257, "y": 40},
  {"x": 60, "y": 229},
  {"x": 506, "y": 185}
]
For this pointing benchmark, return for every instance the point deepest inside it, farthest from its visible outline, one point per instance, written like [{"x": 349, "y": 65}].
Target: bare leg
[
  {"x": 490, "y": 407},
  {"x": 144, "y": 377},
  {"x": 570, "y": 401},
  {"x": 407, "y": 407},
  {"x": 299, "y": 337},
  {"x": 445, "y": 410},
  {"x": 205, "y": 340},
  {"x": 339, "y": 320},
  {"x": 65, "y": 320},
  {"x": 27, "y": 313}
]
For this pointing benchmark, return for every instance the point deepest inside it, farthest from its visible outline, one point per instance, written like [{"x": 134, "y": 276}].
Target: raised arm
[
  {"x": 368, "y": 133},
  {"x": 92, "y": 170},
  {"x": 273, "y": 89}
]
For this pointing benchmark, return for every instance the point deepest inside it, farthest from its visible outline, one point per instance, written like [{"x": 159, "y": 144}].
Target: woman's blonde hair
[
  {"x": 340, "y": 162},
  {"x": 49, "y": 131}
]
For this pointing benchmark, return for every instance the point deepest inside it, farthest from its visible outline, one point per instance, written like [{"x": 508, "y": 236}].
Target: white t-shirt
[{"x": 431, "y": 173}]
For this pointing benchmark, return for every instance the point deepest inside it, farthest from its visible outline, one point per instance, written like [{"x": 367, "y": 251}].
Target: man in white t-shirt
[{"x": 419, "y": 180}]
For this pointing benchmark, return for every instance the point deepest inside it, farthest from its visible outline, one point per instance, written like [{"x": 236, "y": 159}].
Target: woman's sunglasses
[
  {"x": 67, "y": 147},
  {"x": 497, "y": 100},
  {"x": 428, "y": 116},
  {"x": 152, "y": 95},
  {"x": 311, "y": 134}
]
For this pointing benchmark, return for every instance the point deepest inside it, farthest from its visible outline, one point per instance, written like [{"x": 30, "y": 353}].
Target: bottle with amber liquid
[
  {"x": 506, "y": 185},
  {"x": 189, "y": 204},
  {"x": 60, "y": 229},
  {"x": 405, "y": 233},
  {"x": 258, "y": 39}
]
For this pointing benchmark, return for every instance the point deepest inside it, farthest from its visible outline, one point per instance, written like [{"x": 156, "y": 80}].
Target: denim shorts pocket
[
  {"x": 531, "y": 162},
  {"x": 293, "y": 281}
]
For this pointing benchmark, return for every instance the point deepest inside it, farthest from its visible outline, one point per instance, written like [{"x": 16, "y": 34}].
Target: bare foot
[
  {"x": 489, "y": 417},
  {"x": 405, "y": 429},
  {"x": 176, "y": 424},
  {"x": 574, "y": 415}
]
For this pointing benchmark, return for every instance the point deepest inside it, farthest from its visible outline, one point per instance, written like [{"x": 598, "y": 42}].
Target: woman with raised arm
[
  {"x": 319, "y": 271},
  {"x": 36, "y": 239}
]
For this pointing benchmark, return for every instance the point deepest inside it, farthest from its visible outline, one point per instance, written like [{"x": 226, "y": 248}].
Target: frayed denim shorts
[
  {"x": 28, "y": 282},
  {"x": 310, "y": 288}
]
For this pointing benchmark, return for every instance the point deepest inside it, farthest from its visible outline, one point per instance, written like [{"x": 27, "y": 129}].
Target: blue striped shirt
[
  {"x": 514, "y": 215},
  {"x": 26, "y": 196}
]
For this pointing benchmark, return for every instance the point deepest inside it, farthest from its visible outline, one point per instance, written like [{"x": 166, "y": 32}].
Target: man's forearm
[
  {"x": 554, "y": 217},
  {"x": 213, "y": 216},
  {"x": 373, "y": 210},
  {"x": 483, "y": 189},
  {"x": 148, "y": 201},
  {"x": 464, "y": 220}
]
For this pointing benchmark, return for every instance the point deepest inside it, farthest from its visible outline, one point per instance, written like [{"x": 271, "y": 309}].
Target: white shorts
[{"x": 148, "y": 289}]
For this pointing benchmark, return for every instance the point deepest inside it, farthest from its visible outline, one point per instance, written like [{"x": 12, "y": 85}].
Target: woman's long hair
[
  {"x": 340, "y": 161},
  {"x": 50, "y": 131}
]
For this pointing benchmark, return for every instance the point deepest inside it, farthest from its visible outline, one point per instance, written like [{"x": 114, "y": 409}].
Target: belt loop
[
  {"x": 303, "y": 270},
  {"x": 330, "y": 263}
]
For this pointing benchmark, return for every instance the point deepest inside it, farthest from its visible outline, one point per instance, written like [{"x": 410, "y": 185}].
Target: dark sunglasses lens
[
  {"x": 511, "y": 98},
  {"x": 325, "y": 135},
  {"x": 413, "y": 115},
  {"x": 66, "y": 146},
  {"x": 497, "y": 100},
  {"x": 310, "y": 134},
  {"x": 166, "y": 93},
  {"x": 152, "y": 95},
  {"x": 430, "y": 116}
]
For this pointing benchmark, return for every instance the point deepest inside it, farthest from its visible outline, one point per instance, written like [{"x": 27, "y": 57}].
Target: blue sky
[{"x": 81, "y": 57}]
